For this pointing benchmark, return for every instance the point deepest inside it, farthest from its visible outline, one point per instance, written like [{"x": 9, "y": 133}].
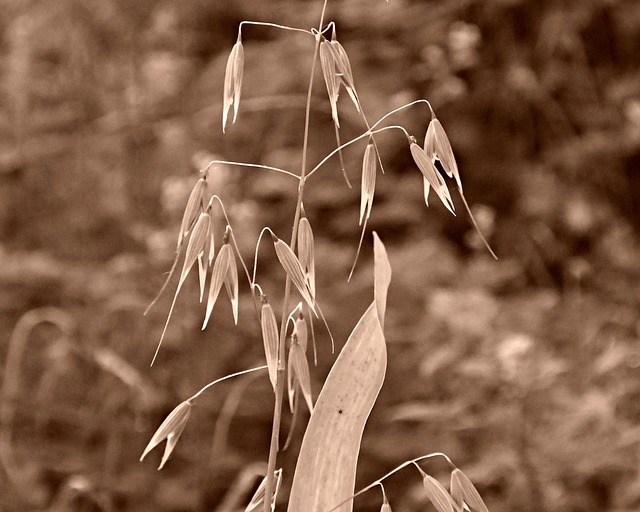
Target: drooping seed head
[
  {"x": 293, "y": 268},
  {"x": 367, "y": 190},
  {"x": 231, "y": 284},
  {"x": 299, "y": 368},
  {"x": 463, "y": 491},
  {"x": 436, "y": 144},
  {"x": 233, "y": 82},
  {"x": 301, "y": 332},
  {"x": 196, "y": 245},
  {"x": 170, "y": 429},
  {"x": 194, "y": 205},
  {"x": 257, "y": 502},
  {"x": 218, "y": 276},
  {"x": 306, "y": 253},
  {"x": 343, "y": 68},
  {"x": 432, "y": 175},
  {"x": 331, "y": 79},
  {"x": 270, "y": 339},
  {"x": 437, "y": 494}
]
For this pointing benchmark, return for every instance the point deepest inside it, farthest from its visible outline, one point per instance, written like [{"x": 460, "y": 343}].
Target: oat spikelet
[
  {"x": 218, "y": 276},
  {"x": 343, "y": 68},
  {"x": 171, "y": 429},
  {"x": 257, "y": 502},
  {"x": 331, "y": 80},
  {"x": 233, "y": 82},
  {"x": 462, "y": 490},
  {"x": 425, "y": 164},
  {"x": 437, "y": 145},
  {"x": 293, "y": 268},
  {"x": 436, "y": 493},
  {"x": 368, "y": 182},
  {"x": 300, "y": 330},
  {"x": 299, "y": 372},
  {"x": 270, "y": 339},
  {"x": 306, "y": 253},
  {"x": 231, "y": 284},
  {"x": 195, "y": 204}
]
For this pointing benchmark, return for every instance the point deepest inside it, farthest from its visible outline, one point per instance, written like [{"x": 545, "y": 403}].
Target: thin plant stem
[
  {"x": 395, "y": 470},
  {"x": 273, "y": 25},
  {"x": 221, "y": 379},
  {"x": 368, "y": 133},
  {"x": 277, "y": 410},
  {"x": 254, "y": 166}
]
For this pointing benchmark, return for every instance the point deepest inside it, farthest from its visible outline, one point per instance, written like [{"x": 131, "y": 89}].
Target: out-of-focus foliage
[{"x": 524, "y": 371}]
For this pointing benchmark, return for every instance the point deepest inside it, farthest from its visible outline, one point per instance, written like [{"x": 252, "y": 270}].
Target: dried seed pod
[
  {"x": 218, "y": 276},
  {"x": 299, "y": 371},
  {"x": 436, "y": 144},
  {"x": 368, "y": 182},
  {"x": 195, "y": 204},
  {"x": 195, "y": 247},
  {"x": 463, "y": 491},
  {"x": 292, "y": 267},
  {"x": 429, "y": 171},
  {"x": 437, "y": 494},
  {"x": 300, "y": 330},
  {"x": 233, "y": 82},
  {"x": 257, "y": 502},
  {"x": 331, "y": 80},
  {"x": 343, "y": 67},
  {"x": 171, "y": 429},
  {"x": 306, "y": 253},
  {"x": 270, "y": 339},
  {"x": 231, "y": 284}
]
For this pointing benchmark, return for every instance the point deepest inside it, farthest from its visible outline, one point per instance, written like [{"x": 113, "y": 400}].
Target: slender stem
[
  {"x": 254, "y": 166},
  {"x": 273, "y": 25},
  {"x": 368, "y": 133},
  {"x": 277, "y": 411},
  {"x": 395, "y": 470},
  {"x": 401, "y": 108},
  {"x": 226, "y": 377}
]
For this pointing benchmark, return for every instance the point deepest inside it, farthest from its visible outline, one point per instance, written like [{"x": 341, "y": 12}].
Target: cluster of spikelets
[{"x": 219, "y": 264}]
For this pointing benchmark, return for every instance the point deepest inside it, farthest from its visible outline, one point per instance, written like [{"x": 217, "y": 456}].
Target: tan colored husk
[
  {"x": 429, "y": 171},
  {"x": 170, "y": 429},
  {"x": 462, "y": 489},
  {"x": 231, "y": 284},
  {"x": 306, "y": 253},
  {"x": 343, "y": 67},
  {"x": 233, "y": 82},
  {"x": 301, "y": 331},
  {"x": 270, "y": 339},
  {"x": 218, "y": 275},
  {"x": 426, "y": 188},
  {"x": 443, "y": 150},
  {"x": 194, "y": 205},
  {"x": 368, "y": 182},
  {"x": 298, "y": 363},
  {"x": 437, "y": 494},
  {"x": 195, "y": 247},
  {"x": 292, "y": 267},
  {"x": 331, "y": 80}
]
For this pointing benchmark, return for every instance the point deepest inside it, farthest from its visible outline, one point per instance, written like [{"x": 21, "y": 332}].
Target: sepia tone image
[{"x": 319, "y": 255}]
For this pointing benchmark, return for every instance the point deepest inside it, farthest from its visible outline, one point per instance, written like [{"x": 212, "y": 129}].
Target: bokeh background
[{"x": 525, "y": 371}]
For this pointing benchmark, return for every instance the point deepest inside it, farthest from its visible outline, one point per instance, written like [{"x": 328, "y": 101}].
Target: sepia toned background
[{"x": 525, "y": 371}]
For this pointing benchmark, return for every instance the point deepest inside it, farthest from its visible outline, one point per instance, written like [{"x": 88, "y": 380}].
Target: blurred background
[{"x": 525, "y": 371}]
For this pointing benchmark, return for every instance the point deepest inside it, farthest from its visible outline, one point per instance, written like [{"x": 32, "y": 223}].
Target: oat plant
[{"x": 324, "y": 478}]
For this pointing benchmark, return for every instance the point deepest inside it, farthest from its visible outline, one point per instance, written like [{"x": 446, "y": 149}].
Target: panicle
[
  {"x": 170, "y": 429},
  {"x": 233, "y": 82},
  {"x": 368, "y": 182}
]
